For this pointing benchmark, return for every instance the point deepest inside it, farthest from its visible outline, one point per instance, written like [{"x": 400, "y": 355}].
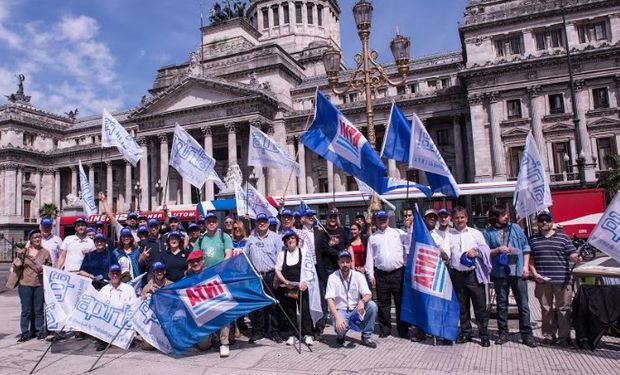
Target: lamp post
[
  {"x": 159, "y": 188},
  {"x": 138, "y": 189},
  {"x": 368, "y": 74},
  {"x": 581, "y": 163}
]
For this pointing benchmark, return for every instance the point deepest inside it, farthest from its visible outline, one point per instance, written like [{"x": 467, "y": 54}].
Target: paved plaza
[{"x": 393, "y": 355}]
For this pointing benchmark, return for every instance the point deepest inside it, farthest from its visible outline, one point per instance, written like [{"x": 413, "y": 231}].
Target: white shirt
[
  {"x": 117, "y": 297},
  {"x": 461, "y": 242},
  {"x": 442, "y": 240},
  {"x": 346, "y": 293},
  {"x": 386, "y": 251},
  {"x": 292, "y": 258},
  {"x": 406, "y": 238},
  {"x": 308, "y": 242},
  {"x": 76, "y": 248}
]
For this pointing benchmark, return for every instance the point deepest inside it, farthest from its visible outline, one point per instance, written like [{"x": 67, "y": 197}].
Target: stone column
[
  {"x": 109, "y": 188},
  {"x": 36, "y": 202},
  {"x": 163, "y": 165},
  {"x": 310, "y": 186},
  {"x": 57, "y": 193},
  {"x": 74, "y": 180},
  {"x": 330, "y": 176},
  {"x": 529, "y": 43},
  {"x": 392, "y": 169},
  {"x": 144, "y": 174},
  {"x": 292, "y": 186},
  {"x": 480, "y": 153},
  {"x": 459, "y": 155},
  {"x": 497, "y": 147},
  {"x": 18, "y": 193},
  {"x": 549, "y": 152},
  {"x": 208, "y": 143},
  {"x": 304, "y": 15},
  {"x": 537, "y": 111},
  {"x": 187, "y": 192},
  {"x": 583, "y": 105},
  {"x": 10, "y": 189},
  {"x": 232, "y": 144},
  {"x": 259, "y": 18},
  {"x": 47, "y": 187},
  {"x": 128, "y": 185},
  {"x": 301, "y": 156}
]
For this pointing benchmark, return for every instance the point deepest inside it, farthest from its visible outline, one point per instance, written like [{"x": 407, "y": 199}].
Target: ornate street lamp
[
  {"x": 159, "y": 188},
  {"x": 368, "y": 74},
  {"x": 138, "y": 189}
]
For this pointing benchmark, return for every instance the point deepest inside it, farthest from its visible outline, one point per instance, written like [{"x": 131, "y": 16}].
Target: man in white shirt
[
  {"x": 349, "y": 299},
  {"x": 385, "y": 265},
  {"x": 441, "y": 234},
  {"x": 74, "y": 247},
  {"x": 50, "y": 241},
  {"x": 466, "y": 245},
  {"x": 407, "y": 228},
  {"x": 116, "y": 294}
]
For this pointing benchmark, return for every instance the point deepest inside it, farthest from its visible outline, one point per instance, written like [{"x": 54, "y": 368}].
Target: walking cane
[{"x": 299, "y": 312}]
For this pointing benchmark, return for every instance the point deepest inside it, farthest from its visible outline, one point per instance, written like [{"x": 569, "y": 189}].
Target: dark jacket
[{"x": 327, "y": 256}]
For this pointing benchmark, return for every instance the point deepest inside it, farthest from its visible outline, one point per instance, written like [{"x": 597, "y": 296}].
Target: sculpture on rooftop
[
  {"x": 19, "y": 96},
  {"x": 229, "y": 11}
]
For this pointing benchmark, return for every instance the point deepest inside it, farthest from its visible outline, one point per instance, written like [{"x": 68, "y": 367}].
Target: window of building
[
  {"x": 591, "y": 32},
  {"x": 114, "y": 175},
  {"x": 287, "y": 17},
  {"x": 514, "y": 160},
  {"x": 323, "y": 185},
  {"x": 559, "y": 150},
  {"x": 443, "y": 137},
  {"x": 413, "y": 88},
  {"x": 276, "y": 15},
  {"x": 432, "y": 84},
  {"x": 556, "y": 38},
  {"x": 310, "y": 6},
  {"x": 343, "y": 99},
  {"x": 445, "y": 83},
  {"x": 319, "y": 15},
  {"x": 27, "y": 209},
  {"x": 549, "y": 39},
  {"x": 508, "y": 46},
  {"x": 606, "y": 147},
  {"x": 353, "y": 97},
  {"x": 298, "y": 17},
  {"x": 265, "y": 12},
  {"x": 28, "y": 139},
  {"x": 27, "y": 176},
  {"x": 401, "y": 90},
  {"x": 600, "y": 98},
  {"x": 514, "y": 108},
  {"x": 556, "y": 104},
  {"x": 541, "y": 40}
]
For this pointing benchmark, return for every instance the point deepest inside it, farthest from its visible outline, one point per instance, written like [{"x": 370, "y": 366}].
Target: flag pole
[
  {"x": 46, "y": 351},
  {"x": 109, "y": 344},
  {"x": 164, "y": 197}
]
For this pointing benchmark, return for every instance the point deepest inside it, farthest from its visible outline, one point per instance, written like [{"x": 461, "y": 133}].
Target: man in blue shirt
[
  {"x": 510, "y": 256},
  {"x": 97, "y": 263}
]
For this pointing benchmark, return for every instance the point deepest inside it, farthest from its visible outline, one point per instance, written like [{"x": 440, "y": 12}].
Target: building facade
[{"x": 478, "y": 104}]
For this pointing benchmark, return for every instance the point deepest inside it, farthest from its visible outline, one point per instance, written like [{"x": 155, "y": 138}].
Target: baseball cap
[
  {"x": 467, "y": 261},
  {"x": 114, "y": 268},
  {"x": 333, "y": 211},
  {"x": 34, "y": 231},
  {"x": 544, "y": 214},
  {"x": 261, "y": 217},
  {"x": 158, "y": 266},
  {"x": 286, "y": 212},
  {"x": 46, "y": 222},
  {"x": 174, "y": 233},
  {"x": 132, "y": 215},
  {"x": 380, "y": 215},
  {"x": 196, "y": 254},
  {"x": 153, "y": 222},
  {"x": 125, "y": 232},
  {"x": 99, "y": 237},
  {"x": 273, "y": 220},
  {"x": 443, "y": 211},
  {"x": 99, "y": 223},
  {"x": 91, "y": 230},
  {"x": 210, "y": 215},
  {"x": 80, "y": 220},
  {"x": 193, "y": 226},
  {"x": 343, "y": 254},
  {"x": 309, "y": 212},
  {"x": 430, "y": 211},
  {"x": 296, "y": 214},
  {"x": 142, "y": 229},
  {"x": 173, "y": 218},
  {"x": 288, "y": 234}
]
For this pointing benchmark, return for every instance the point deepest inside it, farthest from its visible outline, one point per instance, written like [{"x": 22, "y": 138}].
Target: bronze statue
[{"x": 229, "y": 11}]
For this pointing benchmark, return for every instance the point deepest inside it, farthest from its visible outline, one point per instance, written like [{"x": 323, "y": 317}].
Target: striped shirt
[
  {"x": 551, "y": 256},
  {"x": 263, "y": 251}
]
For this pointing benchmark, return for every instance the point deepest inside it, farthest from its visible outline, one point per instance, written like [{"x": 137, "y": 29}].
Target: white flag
[
  {"x": 255, "y": 201},
  {"x": 606, "y": 234},
  {"x": 265, "y": 152},
  {"x": 309, "y": 275},
  {"x": 367, "y": 190},
  {"x": 114, "y": 134},
  {"x": 61, "y": 291},
  {"x": 190, "y": 159},
  {"x": 532, "y": 193},
  {"x": 216, "y": 179},
  {"x": 88, "y": 199},
  {"x": 145, "y": 322}
]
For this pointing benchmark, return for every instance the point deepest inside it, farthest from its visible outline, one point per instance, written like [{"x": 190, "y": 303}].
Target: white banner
[
  {"x": 367, "y": 190},
  {"x": 61, "y": 291},
  {"x": 423, "y": 154},
  {"x": 88, "y": 199},
  {"x": 606, "y": 234},
  {"x": 145, "y": 322},
  {"x": 114, "y": 134},
  {"x": 532, "y": 193},
  {"x": 265, "y": 152},
  {"x": 190, "y": 159},
  {"x": 309, "y": 275},
  {"x": 252, "y": 203}
]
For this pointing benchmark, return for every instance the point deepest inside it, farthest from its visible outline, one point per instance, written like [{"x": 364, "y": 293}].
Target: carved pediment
[
  {"x": 604, "y": 123},
  {"x": 516, "y": 132},
  {"x": 559, "y": 127}
]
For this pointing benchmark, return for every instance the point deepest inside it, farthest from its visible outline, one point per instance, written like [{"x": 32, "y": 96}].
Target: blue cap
[
  {"x": 273, "y": 220},
  {"x": 115, "y": 268},
  {"x": 173, "y": 218},
  {"x": 355, "y": 321},
  {"x": 46, "y": 222},
  {"x": 296, "y": 215},
  {"x": 126, "y": 232},
  {"x": 91, "y": 230},
  {"x": 34, "y": 231},
  {"x": 262, "y": 216},
  {"x": 193, "y": 226},
  {"x": 99, "y": 237},
  {"x": 99, "y": 223},
  {"x": 309, "y": 212},
  {"x": 288, "y": 234},
  {"x": 142, "y": 229},
  {"x": 543, "y": 215},
  {"x": 132, "y": 215},
  {"x": 80, "y": 220},
  {"x": 502, "y": 259},
  {"x": 380, "y": 215},
  {"x": 210, "y": 215},
  {"x": 158, "y": 266},
  {"x": 343, "y": 254},
  {"x": 286, "y": 212},
  {"x": 467, "y": 261},
  {"x": 174, "y": 233},
  {"x": 443, "y": 211},
  {"x": 153, "y": 222}
]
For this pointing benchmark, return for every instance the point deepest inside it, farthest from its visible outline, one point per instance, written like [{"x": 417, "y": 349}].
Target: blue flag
[
  {"x": 332, "y": 136},
  {"x": 302, "y": 207},
  {"x": 429, "y": 300},
  {"x": 198, "y": 305},
  {"x": 424, "y": 155}
]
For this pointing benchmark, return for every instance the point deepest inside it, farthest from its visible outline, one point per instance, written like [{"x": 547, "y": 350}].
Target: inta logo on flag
[
  {"x": 207, "y": 300},
  {"x": 430, "y": 274},
  {"x": 348, "y": 142}
]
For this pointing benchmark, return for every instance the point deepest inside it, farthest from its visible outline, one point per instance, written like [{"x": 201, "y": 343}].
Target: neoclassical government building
[{"x": 511, "y": 76}]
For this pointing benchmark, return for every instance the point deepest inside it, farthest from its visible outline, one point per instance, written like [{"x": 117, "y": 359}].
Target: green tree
[
  {"x": 610, "y": 179},
  {"x": 48, "y": 210}
]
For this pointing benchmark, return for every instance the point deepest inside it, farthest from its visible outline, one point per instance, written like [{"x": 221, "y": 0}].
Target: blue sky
[{"x": 91, "y": 54}]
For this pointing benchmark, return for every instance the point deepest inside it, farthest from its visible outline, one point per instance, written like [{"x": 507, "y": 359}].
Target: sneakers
[
  {"x": 255, "y": 339},
  {"x": 485, "y": 342},
  {"x": 24, "y": 337},
  {"x": 290, "y": 341},
  {"x": 368, "y": 342},
  {"x": 501, "y": 340},
  {"x": 308, "y": 340},
  {"x": 224, "y": 351}
]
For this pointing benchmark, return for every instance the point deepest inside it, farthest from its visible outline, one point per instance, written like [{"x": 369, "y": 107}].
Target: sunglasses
[{"x": 193, "y": 261}]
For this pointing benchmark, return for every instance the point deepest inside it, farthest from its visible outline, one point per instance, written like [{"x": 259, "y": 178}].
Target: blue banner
[
  {"x": 198, "y": 305},
  {"x": 333, "y": 137},
  {"x": 429, "y": 300}
]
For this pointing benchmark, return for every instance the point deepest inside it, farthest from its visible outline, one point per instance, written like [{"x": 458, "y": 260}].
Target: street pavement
[{"x": 392, "y": 356}]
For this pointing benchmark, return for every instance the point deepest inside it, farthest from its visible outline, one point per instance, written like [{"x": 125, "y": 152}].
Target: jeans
[
  {"x": 31, "y": 299},
  {"x": 367, "y": 325},
  {"x": 502, "y": 287}
]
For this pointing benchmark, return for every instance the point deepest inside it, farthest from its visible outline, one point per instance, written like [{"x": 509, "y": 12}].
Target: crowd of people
[{"x": 350, "y": 263}]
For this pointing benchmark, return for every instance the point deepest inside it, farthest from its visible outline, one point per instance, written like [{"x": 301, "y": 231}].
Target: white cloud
[{"x": 66, "y": 63}]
